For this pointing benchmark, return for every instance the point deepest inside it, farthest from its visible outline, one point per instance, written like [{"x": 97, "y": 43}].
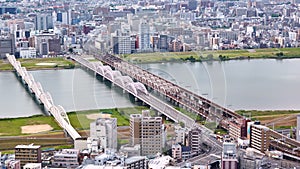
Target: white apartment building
[
  {"x": 105, "y": 129},
  {"x": 28, "y": 53}
]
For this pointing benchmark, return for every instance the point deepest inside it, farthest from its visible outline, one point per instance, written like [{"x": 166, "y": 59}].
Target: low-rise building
[
  {"x": 28, "y": 53},
  {"x": 33, "y": 166},
  {"x": 28, "y": 154},
  {"x": 66, "y": 158},
  {"x": 136, "y": 162}
]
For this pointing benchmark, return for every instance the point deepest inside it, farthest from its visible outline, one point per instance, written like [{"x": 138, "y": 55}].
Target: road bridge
[
  {"x": 184, "y": 98},
  {"x": 43, "y": 97},
  {"x": 137, "y": 89},
  {"x": 228, "y": 119}
]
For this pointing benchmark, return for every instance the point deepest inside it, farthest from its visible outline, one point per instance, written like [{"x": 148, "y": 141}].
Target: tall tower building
[
  {"x": 105, "y": 129},
  {"x": 146, "y": 131},
  {"x": 43, "y": 22},
  {"x": 135, "y": 128},
  {"x": 144, "y": 36},
  {"x": 195, "y": 141}
]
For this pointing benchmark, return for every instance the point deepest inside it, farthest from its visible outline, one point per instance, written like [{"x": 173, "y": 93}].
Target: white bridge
[
  {"x": 58, "y": 112},
  {"x": 137, "y": 89}
]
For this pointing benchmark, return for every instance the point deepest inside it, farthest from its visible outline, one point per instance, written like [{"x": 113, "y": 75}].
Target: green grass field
[
  {"x": 32, "y": 64},
  {"x": 5, "y": 65},
  {"x": 80, "y": 121},
  {"x": 12, "y": 126},
  {"x": 278, "y": 53}
]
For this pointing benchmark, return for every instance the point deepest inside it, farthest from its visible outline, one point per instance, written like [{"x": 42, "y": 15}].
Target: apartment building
[
  {"x": 66, "y": 158},
  {"x": 28, "y": 154},
  {"x": 146, "y": 131},
  {"x": 105, "y": 129}
]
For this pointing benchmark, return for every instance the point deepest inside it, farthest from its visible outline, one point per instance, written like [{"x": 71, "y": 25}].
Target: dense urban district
[{"x": 170, "y": 127}]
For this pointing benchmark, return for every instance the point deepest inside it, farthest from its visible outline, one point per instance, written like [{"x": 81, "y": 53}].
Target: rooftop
[
  {"x": 30, "y": 146},
  {"x": 134, "y": 159}
]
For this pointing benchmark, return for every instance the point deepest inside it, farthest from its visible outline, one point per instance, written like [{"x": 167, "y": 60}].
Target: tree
[{"x": 71, "y": 50}]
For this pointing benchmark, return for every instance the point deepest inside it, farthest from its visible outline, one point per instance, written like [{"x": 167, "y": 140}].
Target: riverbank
[
  {"x": 219, "y": 55},
  {"x": 55, "y": 137},
  {"x": 282, "y": 119},
  {"x": 40, "y": 64},
  {"x": 80, "y": 121}
]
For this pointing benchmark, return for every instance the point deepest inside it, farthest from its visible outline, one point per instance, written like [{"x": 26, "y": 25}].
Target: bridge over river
[{"x": 43, "y": 97}]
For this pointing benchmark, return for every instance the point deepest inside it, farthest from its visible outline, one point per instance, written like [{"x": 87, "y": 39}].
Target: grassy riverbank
[
  {"x": 80, "y": 120},
  {"x": 40, "y": 63},
  {"x": 281, "y": 119},
  {"x": 274, "y": 53}
]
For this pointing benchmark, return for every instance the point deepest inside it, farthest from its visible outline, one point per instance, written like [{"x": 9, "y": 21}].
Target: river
[{"x": 239, "y": 84}]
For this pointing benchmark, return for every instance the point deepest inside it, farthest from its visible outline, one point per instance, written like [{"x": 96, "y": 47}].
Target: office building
[
  {"x": 43, "y": 22},
  {"x": 46, "y": 42},
  {"x": 7, "y": 45},
  {"x": 122, "y": 44},
  {"x": 10, "y": 10},
  {"x": 144, "y": 36},
  {"x": 28, "y": 154},
  {"x": 66, "y": 158},
  {"x": 54, "y": 46},
  {"x": 195, "y": 141},
  {"x": 229, "y": 156},
  {"x": 105, "y": 129}
]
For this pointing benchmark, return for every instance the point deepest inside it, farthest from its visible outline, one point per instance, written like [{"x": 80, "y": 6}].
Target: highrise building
[
  {"x": 105, "y": 129},
  {"x": 144, "y": 36},
  {"x": 28, "y": 154},
  {"x": 43, "y": 22},
  {"x": 259, "y": 137},
  {"x": 7, "y": 45},
  {"x": 194, "y": 140},
  {"x": 146, "y": 131},
  {"x": 122, "y": 44},
  {"x": 135, "y": 128},
  {"x": 151, "y": 135}
]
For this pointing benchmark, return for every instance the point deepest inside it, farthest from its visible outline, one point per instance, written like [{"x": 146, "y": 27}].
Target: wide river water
[{"x": 241, "y": 84}]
